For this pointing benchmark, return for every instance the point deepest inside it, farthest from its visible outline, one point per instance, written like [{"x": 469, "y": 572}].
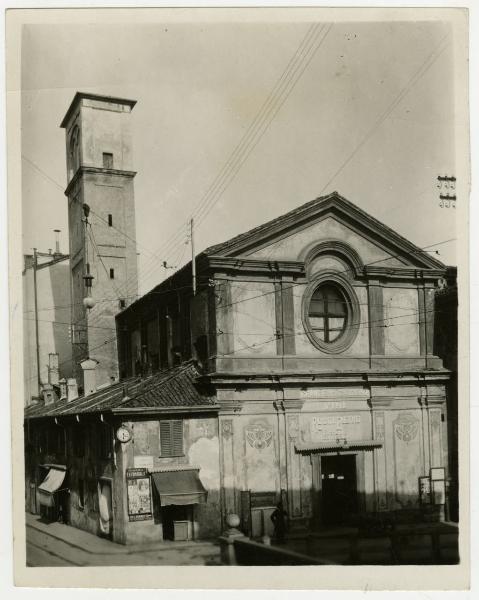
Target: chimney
[
  {"x": 53, "y": 376},
  {"x": 48, "y": 394},
  {"x": 72, "y": 389},
  {"x": 89, "y": 375},
  {"x": 57, "y": 240},
  {"x": 63, "y": 388}
]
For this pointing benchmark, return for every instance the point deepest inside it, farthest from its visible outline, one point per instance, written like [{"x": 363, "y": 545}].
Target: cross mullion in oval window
[{"x": 328, "y": 314}]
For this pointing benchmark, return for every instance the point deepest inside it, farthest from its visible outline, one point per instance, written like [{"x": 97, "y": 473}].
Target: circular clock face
[{"x": 123, "y": 434}]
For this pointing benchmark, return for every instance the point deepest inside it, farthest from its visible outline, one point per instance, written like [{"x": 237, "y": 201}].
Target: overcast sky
[{"x": 199, "y": 87}]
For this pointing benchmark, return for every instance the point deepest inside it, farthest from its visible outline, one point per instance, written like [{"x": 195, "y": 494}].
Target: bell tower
[{"x": 101, "y": 218}]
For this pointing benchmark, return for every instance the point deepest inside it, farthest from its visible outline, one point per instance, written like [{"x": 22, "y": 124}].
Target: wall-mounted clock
[{"x": 123, "y": 434}]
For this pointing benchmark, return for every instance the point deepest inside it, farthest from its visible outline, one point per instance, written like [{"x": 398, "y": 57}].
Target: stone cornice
[
  {"x": 375, "y": 272},
  {"x": 250, "y": 265},
  {"x": 369, "y": 379},
  {"x": 95, "y": 170}
]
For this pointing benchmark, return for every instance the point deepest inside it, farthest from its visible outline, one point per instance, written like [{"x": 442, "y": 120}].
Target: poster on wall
[{"x": 139, "y": 495}]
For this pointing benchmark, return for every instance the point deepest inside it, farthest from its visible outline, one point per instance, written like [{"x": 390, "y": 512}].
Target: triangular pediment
[{"x": 329, "y": 218}]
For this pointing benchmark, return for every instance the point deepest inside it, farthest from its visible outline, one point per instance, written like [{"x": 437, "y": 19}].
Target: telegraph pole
[
  {"x": 193, "y": 260},
  {"x": 35, "y": 299}
]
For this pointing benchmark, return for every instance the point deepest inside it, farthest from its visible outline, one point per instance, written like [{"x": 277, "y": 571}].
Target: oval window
[
  {"x": 328, "y": 313},
  {"x": 331, "y": 314}
]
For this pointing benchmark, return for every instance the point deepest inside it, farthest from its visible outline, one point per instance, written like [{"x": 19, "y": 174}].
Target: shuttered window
[{"x": 171, "y": 438}]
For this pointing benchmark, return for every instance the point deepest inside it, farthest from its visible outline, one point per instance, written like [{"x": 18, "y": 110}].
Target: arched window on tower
[{"x": 74, "y": 152}]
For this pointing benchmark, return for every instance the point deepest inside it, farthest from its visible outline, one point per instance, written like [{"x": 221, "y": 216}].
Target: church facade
[{"x": 316, "y": 332}]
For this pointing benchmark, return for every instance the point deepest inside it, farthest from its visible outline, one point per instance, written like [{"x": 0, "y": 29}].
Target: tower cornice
[
  {"x": 79, "y": 96},
  {"x": 96, "y": 170}
]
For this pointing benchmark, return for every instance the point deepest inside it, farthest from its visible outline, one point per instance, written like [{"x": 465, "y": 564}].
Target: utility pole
[
  {"x": 193, "y": 260},
  {"x": 53, "y": 259},
  {"x": 35, "y": 299}
]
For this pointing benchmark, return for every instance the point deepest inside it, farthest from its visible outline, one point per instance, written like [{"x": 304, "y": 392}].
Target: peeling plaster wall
[
  {"x": 258, "y": 446},
  {"x": 201, "y": 449}
]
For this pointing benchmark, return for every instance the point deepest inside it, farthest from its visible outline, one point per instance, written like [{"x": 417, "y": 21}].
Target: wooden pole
[
  {"x": 35, "y": 297},
  {"x": 193, "y": 261}
]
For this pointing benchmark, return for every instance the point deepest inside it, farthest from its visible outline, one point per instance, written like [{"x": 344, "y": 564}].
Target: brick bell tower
[{"x": 101, "y": 220}]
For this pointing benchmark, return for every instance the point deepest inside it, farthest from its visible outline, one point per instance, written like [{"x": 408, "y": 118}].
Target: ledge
[{"x": 96, "y": 170}]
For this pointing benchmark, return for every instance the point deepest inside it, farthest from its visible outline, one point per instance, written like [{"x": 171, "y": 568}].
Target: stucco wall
[
  {"x": 258, "y": 444},
  {"x": 293, "y": 246},
  {"x": 201, "y": 449},
  {"x": 401, "y": 319}
]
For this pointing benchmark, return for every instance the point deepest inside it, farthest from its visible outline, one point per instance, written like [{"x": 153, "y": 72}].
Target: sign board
[
  {"x": 263, "y": 499},
  {"x": 438, "y": 473},
  {"x": 144, "y": 461},
  {"x": 138, "y": 487},
  {"x": 424, "y": 490}
]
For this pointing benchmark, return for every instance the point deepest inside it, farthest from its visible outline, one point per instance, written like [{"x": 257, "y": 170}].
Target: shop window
[
  {"x": 171, "y": 438},
  {"x": 107, "y": 160}
]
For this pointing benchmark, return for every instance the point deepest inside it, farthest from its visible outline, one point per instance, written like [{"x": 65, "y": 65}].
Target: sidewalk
[{"x": 85, "y": 548}]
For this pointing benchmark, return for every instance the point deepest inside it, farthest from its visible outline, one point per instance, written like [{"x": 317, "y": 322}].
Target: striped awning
[{"x": 338, "y": 446}]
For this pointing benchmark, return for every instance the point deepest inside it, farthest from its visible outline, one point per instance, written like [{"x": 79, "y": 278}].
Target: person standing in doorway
[{"x": 278, "y": 517}]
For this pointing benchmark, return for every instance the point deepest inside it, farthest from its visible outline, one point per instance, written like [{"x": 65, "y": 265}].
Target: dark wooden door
[{"x": 339, "y": 494}]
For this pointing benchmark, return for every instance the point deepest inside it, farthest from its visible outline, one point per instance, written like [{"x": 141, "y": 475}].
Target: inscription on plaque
[{"x": 333, "y": 427}]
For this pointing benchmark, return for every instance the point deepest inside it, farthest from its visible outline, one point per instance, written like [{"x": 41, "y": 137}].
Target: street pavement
[{"x": 56, "y": 545}]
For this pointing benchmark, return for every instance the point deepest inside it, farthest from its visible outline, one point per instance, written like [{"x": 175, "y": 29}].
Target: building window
[
  {"x": 81, "y": 493},
  {"x": 107, "y": 160},
  {"x": 331, "y": 313},
  {"x": 110, "y": 220},
  {"x": 328, "y": 312},
  {"x": 112, "y": 273},
  {"x": 171, "y": 438},
  {"x": 122, "y": 303}
]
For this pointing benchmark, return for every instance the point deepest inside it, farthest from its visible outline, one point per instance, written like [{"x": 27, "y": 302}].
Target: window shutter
[
  {"x": 165, "y": 438},
  {"x": 177, "y": 427}
]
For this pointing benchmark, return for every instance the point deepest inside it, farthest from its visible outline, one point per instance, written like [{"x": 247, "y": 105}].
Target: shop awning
[
  {"x": 333, "y": 446},
  {"x": 179, "y": 487},
  {"x": 51, "y": 484}
]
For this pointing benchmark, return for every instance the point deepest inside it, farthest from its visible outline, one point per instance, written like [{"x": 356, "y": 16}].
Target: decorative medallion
[
  {"x": 406, "y": 427},
  {"x": 227, "y": 428},
  {"x": 259, "y": 436}
]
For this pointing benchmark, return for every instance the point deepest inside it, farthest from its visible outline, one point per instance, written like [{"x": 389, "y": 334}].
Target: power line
[{"x": 426, "y": 65}]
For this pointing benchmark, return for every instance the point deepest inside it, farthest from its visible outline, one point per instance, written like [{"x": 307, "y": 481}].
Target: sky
[{"x": 372, "y": 116}]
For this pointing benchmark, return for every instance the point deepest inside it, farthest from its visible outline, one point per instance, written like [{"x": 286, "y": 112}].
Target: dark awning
[
  {"x": 338, "y": 446},
  {"x": 179, "y": 487},
  {"x": 51, "y": 484}
]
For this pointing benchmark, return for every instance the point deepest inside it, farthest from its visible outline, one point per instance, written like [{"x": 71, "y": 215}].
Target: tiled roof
[{"x": 174, "y": 388}]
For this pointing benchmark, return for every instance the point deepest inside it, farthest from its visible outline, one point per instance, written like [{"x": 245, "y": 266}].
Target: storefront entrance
[{"x": 339, "y": 494}]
